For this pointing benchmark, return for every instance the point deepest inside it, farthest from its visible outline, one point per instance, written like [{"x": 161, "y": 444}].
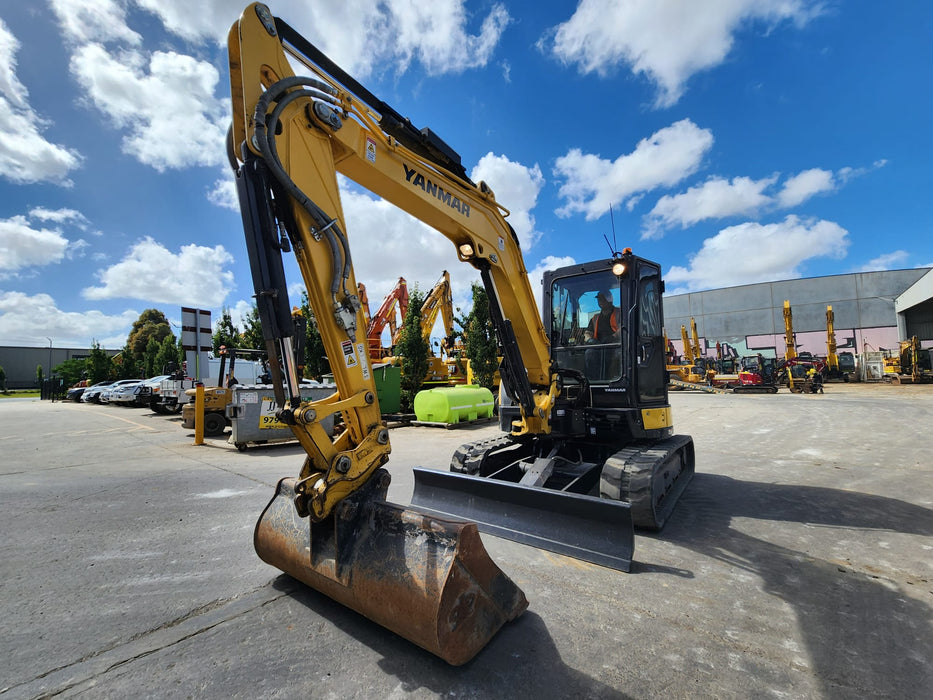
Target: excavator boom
[
  {"x": 395, "y": 300},
  {"x": 428, "y": 579}
]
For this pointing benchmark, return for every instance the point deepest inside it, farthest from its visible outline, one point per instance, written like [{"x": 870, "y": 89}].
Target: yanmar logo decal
[{"x": 416, "y": 179}]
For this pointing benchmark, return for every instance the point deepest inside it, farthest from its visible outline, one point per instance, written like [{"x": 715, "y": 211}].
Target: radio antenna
[{"x": 613, "y": 247}]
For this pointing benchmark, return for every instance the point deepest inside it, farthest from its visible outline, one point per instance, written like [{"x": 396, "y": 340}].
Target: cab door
[{"x": 649, "y": 342}]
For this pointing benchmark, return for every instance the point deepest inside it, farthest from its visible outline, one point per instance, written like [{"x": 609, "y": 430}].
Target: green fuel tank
[{"x": 465, "y": 402}]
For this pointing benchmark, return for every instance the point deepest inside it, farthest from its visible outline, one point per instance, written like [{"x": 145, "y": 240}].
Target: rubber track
[
  {"x": 469, "y": 457},
  {"x": 755, "y": 389},
  {"x": 629, "y": 475}
]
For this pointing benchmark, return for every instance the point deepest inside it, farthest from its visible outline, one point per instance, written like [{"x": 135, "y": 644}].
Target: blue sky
[{"x": 736, "y": 141}]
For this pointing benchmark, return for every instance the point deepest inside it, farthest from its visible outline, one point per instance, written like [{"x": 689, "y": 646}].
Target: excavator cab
[{"x": 610, "y": 461}]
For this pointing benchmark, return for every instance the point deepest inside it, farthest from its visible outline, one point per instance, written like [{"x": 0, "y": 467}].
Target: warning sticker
[
  {"x": 364, "y": 365},
  {"x": 370, "y": 150},
  {"x": 348, "y": 355},
  {"x": 501, "y": 243}
]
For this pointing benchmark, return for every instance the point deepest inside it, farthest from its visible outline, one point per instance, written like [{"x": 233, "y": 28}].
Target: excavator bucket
[
  {"x": 593, "y": 529},
  {"x": 426, "y": 578}
]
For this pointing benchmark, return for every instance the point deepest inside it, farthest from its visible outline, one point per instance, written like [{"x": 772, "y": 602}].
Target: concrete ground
[{"x": 799, "y": 564}]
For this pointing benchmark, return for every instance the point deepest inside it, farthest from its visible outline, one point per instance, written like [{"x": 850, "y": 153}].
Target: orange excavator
[{"x": 396, "y": 301}]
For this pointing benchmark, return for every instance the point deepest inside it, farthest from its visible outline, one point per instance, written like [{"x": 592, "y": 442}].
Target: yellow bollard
[{"x": 199, "y": 415}]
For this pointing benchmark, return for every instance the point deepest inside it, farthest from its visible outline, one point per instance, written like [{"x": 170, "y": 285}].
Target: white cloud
[
  {"x": 719, "y": 198},
  {"x": 887, "y": 261},
  {"x": 25, "y": 155},
  {"x": 714, "y": 199},
  {"x": 223, "y": 194},
  {"x": 165, "y": 102},
  {"x": 28, "y": 319},
  {"x": 22, "y": 246},
  {"x": 665, "y": 41},
  {"x": 60, "y": 216},
  {"x": 516, "y": 188},
  {"x": 386, "y": 243},
  {"x": 195, "y": 276},
  {"x": 753, "y": 252},
  {"x": 663, "y": 159},
  {"x": 800, "y": 187},
  {"x": 361, "y": 36},
  {"x": 84, "y": 21},
  {"x": 239, "y": 311},
  {"x": 550, "y": 262},
  {"x": 10, "y": 85}
]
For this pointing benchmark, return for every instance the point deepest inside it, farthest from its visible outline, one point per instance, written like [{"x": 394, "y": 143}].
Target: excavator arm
[
  {"x": 438, "y": 301},
  {"x": 292, "y": 136},
  {"x": 396, "y": 298},
  {"x": 427, "y": 578},
  {"x": 832, "y": 359},
  {"x": 688, "y": 346},
  {"x": 790, "y": 352},
  {"x": 695, "y": 347}
]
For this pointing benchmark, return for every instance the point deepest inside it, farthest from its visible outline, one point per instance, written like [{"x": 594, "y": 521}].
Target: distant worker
[
  {"x": 604, "y": 326},
  {"x": 816, "y": 380}
]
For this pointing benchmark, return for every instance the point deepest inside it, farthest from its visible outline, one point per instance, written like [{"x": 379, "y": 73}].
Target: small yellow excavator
[
  {"x": 588, "y": 449},
  {"x": 695, "y": 372}
]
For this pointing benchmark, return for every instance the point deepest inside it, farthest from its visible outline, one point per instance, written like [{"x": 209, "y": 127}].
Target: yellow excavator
[
  {"x": 439, "y": 301},
  {"x": 694, "y": 372},
  {"x": 909, "y": 365},
  {"x": 589, "y": 449}
]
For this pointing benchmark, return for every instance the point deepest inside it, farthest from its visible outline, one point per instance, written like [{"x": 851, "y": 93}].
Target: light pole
[{"x": 49, "y": 373}]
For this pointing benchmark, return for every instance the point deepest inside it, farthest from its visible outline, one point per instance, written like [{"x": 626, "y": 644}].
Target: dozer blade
[
  {"x": 584, "y": 527},
  {"x": 428, "y": 579}
]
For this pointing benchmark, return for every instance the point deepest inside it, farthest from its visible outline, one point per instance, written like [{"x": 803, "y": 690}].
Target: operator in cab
[{"x": 604, "y": 326}]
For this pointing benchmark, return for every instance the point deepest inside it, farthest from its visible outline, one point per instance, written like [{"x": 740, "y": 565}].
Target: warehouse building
[
  {"x": 20, "y": 362},
  {"x": 872, "y": 312}
]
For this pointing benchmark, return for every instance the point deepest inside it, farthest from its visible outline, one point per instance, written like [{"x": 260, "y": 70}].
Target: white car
[
  {"x": 106, "y": 396},
  {"x": 148, "y": 392},
  {"x": 91, "y": 393}
]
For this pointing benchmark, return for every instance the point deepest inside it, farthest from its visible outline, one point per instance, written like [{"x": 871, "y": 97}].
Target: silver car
[{"x": 106, "y": 396}]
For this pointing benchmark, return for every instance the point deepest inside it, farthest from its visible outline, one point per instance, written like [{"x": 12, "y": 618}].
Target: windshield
[
  {"x": 587, "y": 309},
  {"x": 586, "y": 325}
]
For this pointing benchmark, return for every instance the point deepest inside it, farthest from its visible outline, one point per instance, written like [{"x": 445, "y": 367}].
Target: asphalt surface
[{"x": 799, "y": 564}]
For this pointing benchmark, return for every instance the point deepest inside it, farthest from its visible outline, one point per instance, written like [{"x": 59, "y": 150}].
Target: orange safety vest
[{"x": 613, "y": 322}]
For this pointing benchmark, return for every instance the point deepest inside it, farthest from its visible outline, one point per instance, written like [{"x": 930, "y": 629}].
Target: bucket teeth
[{"x": 428, "y": 579}]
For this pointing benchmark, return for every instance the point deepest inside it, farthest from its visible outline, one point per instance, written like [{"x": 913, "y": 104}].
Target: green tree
[
  {"x": 71, "y": 371},
  {"x": 225, "y": 333},
  {"x": 3, "y": 380},
  {"x": 99, "y": 365},
  {"x": 150, "y": 363},
  {"x": 151, "y": 323},
  {"x": 252, "y": 329},
  {"x": 166, "y": 360},
  {"x": 413, "y": 350},
  {"x": 125, "y": 364},
  {"x": 40, "y": 375},
  {"x": 479, "y": 343},
  {"x": 315, "y": 359}
]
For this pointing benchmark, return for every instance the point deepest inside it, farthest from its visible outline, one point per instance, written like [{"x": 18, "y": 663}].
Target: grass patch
[{"x": 26, "y": 394}]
